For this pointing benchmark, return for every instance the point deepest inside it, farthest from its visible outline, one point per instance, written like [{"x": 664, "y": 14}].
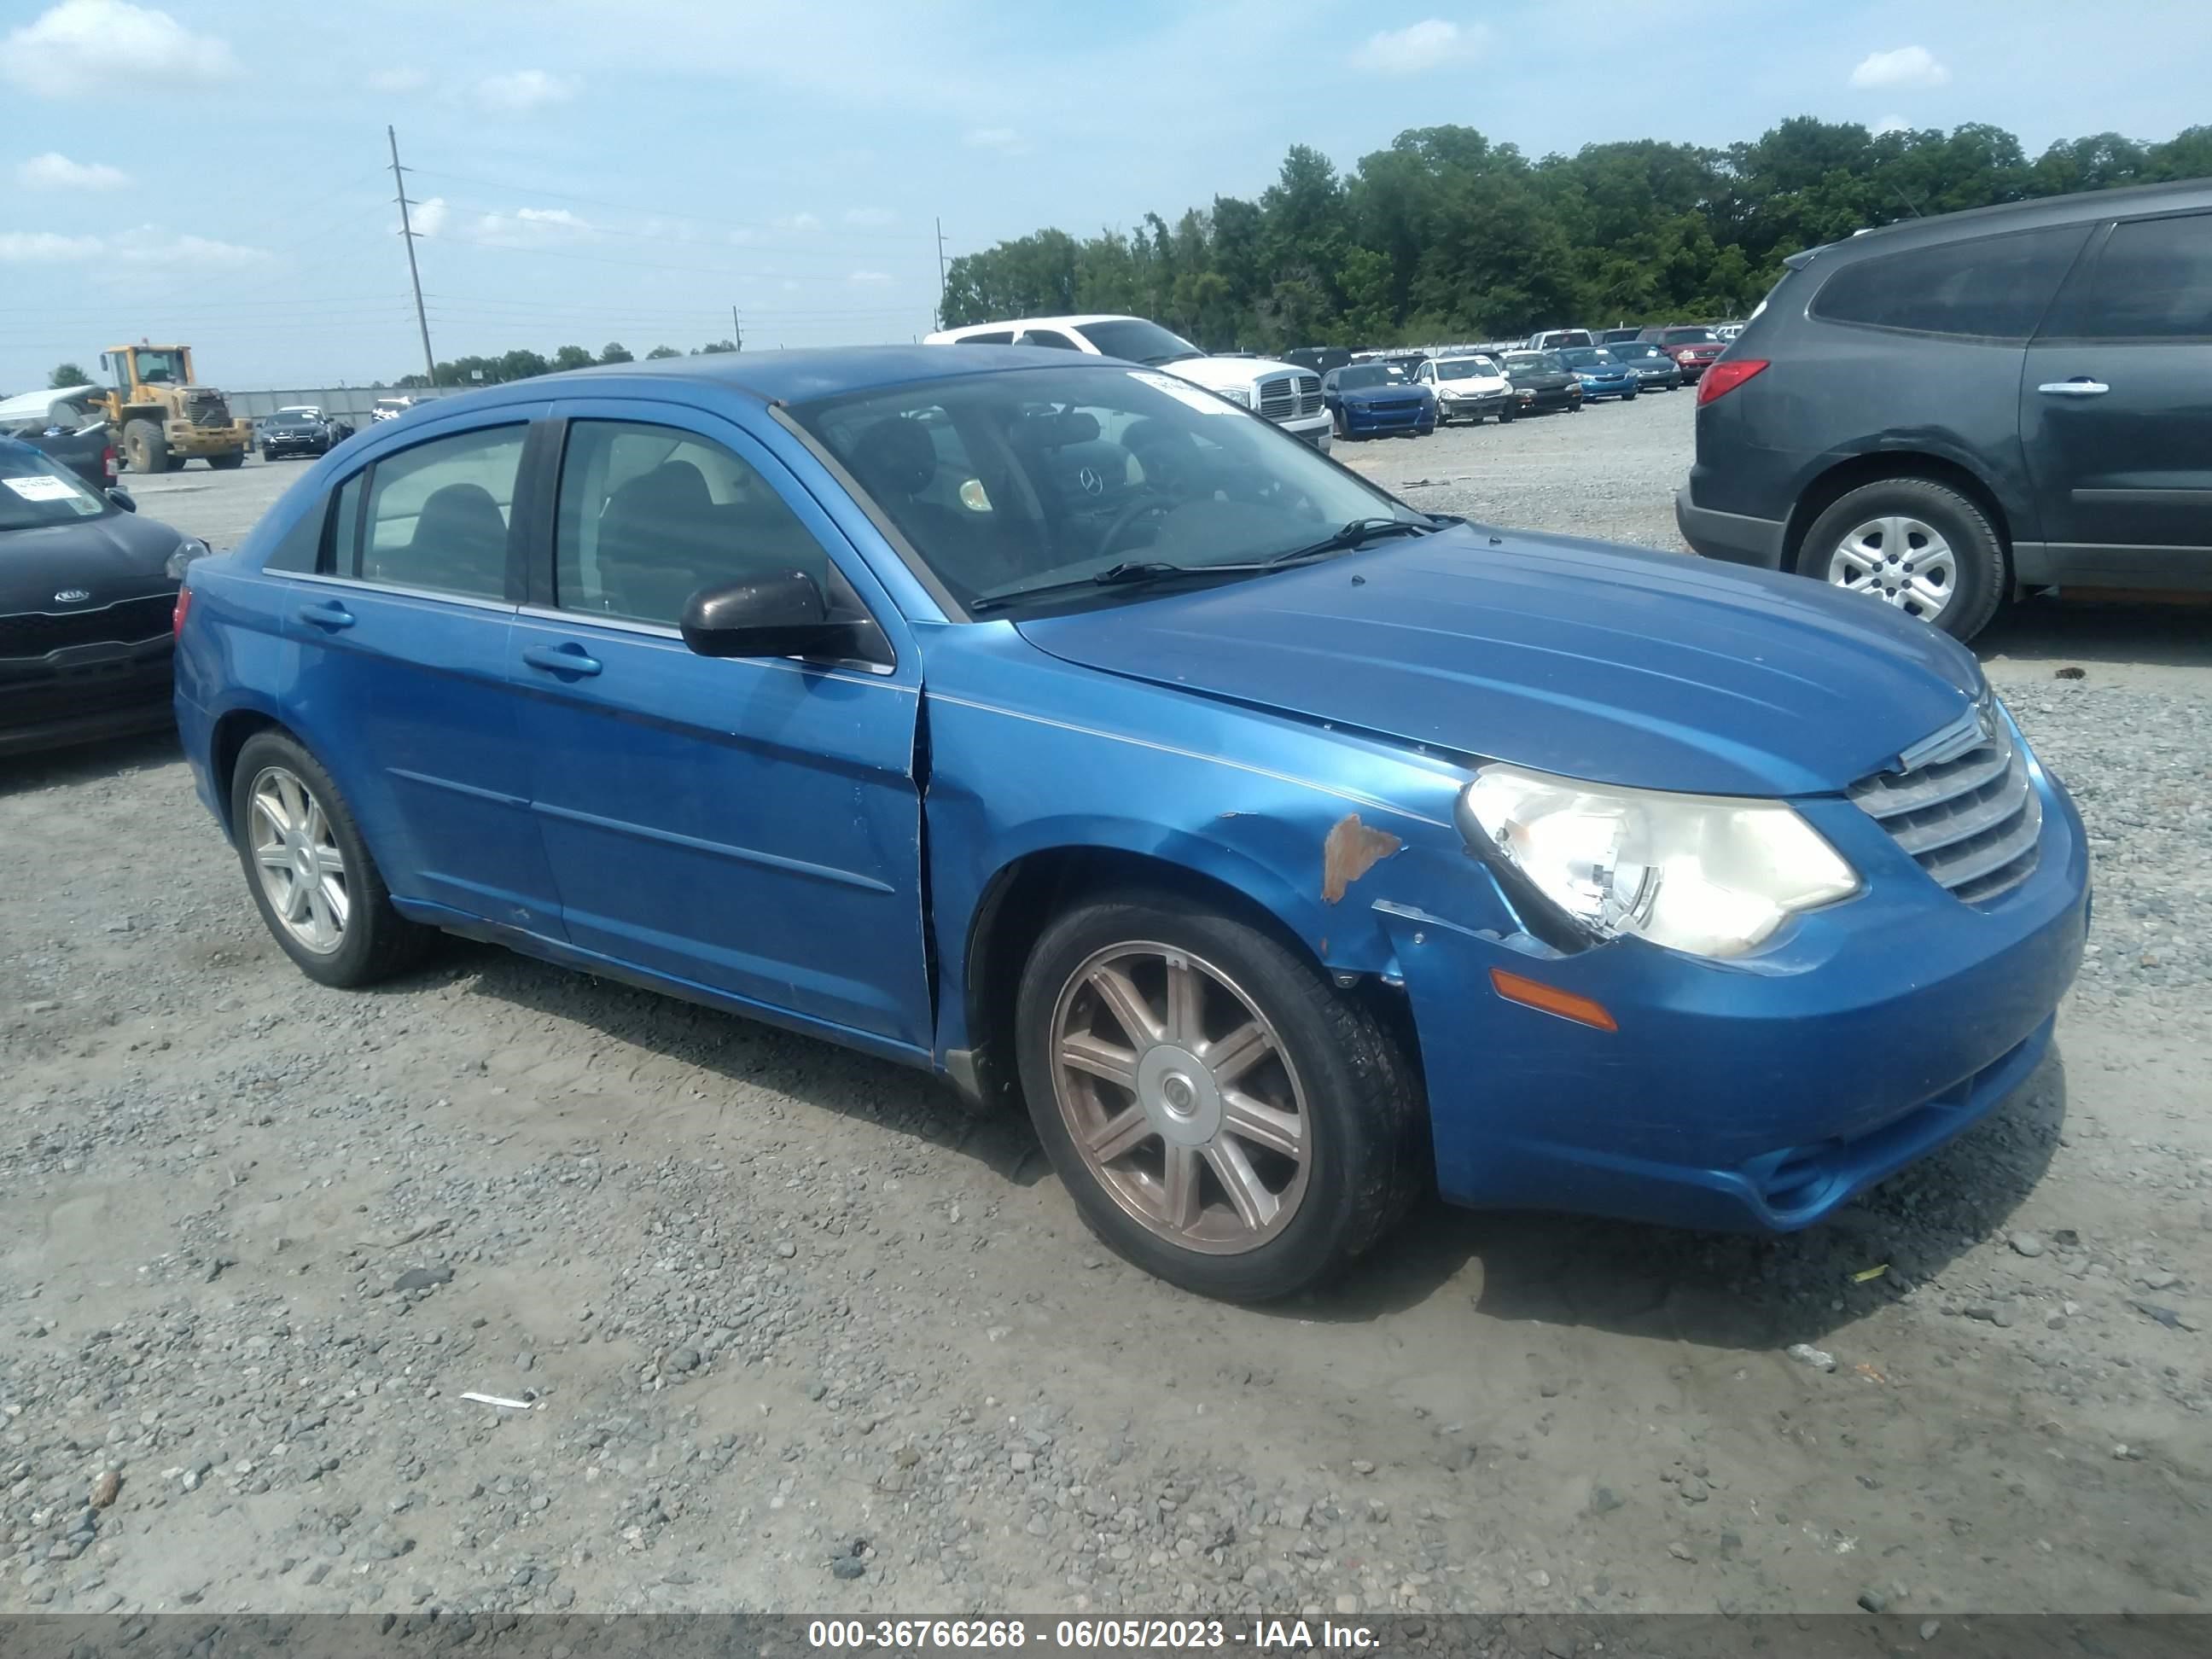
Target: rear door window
[
  {"x": 1003, "y": 337},
  {"x": 1994, "y": 288},
  {"x": 2153, "y": 282},
  {"x": 438, "y": 514}
]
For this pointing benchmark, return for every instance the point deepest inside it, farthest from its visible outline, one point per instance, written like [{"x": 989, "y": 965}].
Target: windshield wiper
[{"x": 1358, "y": 533}]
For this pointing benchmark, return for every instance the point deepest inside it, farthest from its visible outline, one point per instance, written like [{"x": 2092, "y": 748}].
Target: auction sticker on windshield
[
  {"x": 1183, "y": 392},
  {"x": 39, "y": 488}
]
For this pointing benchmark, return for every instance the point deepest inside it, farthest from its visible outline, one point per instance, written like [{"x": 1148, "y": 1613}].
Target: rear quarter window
[{"x": 1993, "y": 288}]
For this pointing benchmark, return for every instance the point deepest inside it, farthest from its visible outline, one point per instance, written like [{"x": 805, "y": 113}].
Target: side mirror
[
  {"x": 782, "y": 615},
  {"x": 122, "y": 498}
]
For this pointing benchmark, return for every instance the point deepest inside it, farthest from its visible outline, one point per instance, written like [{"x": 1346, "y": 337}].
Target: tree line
[
  {"x": 1447, "y": 235},
  {"x": 522, "y": 364}
]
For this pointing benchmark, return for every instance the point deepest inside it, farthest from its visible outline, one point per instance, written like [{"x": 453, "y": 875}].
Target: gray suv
[{"x": 1948, "y": 411}]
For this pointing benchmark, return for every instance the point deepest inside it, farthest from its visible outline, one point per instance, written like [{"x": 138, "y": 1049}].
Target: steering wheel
[{"x": 1129, "y": 515}]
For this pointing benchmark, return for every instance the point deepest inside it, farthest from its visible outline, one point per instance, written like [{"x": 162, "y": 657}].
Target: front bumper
[
  {"x": 1313, "y": 428},
  {"x": 1731, "y": 536},
  {"x": 1759, "y": 1095},
  {"x": 1360, "y": 422},
  {"x": 1490, "y": 403},
  {"x": 1594, "y": 390},
  {"x": 294, "y": 446},
  {"x": 85, "y": 694}
]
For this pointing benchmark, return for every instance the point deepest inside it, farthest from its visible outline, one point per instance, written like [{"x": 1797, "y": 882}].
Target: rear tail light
[
  {"x": 184, "y": 609},
  {"x": 107, "y": 463},
  {"x": 1723, "y": 377}
]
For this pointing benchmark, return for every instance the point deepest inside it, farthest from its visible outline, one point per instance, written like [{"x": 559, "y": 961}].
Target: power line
[{"x": 905, "y": 238}]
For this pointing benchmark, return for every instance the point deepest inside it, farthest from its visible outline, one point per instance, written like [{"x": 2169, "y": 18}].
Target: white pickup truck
[{"x": 1289, "y": 395}]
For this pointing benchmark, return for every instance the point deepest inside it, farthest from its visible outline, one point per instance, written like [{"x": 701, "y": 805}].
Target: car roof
[
  {"x": 1072, "y": 321},
  {"x": 783, "y": 377},
  {"x": 2082, "y": 207}
]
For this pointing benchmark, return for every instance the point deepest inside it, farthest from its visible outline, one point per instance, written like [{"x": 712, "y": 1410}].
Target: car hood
[
  {"x": 1605, "y": 371},
  {"x": 1484, "y": 384},
  {"x": 1220, "y": 374},
  {"x": 1544, "y": 379},
  {"x": 1654, "y": 669},
  {"x": 118, "y": 555},
  {"x": 1362, "y": 394}
]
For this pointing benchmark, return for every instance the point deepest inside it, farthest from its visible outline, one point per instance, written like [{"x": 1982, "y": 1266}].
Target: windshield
[
  {"x": 1370, "y": 374},
  {"x": 1641, "y": 349},
  {"x": 1532, "y": 362},
  {"x": 1690, "y": 336},
  {"x": 35, "y": 491},
  {"x": 160, "y": 368},
  {"x": 1586, "y": 356},
  {"x": 1466, "y": 368},
  {"x": 1006, "y": 482},
  {"x": 1139, "y": 341}
]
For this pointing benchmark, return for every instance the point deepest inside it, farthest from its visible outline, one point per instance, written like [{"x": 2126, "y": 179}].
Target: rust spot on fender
[{"x": 1351, "y": 851}]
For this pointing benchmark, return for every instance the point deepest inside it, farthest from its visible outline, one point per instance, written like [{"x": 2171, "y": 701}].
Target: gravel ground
[{"x": 795, "y": 1333}]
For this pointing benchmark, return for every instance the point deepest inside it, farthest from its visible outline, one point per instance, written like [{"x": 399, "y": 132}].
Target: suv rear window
[
  {"x": 1991, "y": 288},
  {"x": 2154, "y": 282}
]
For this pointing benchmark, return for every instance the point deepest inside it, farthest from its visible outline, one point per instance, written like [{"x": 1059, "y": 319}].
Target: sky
[{"x": 216, "y": 171}]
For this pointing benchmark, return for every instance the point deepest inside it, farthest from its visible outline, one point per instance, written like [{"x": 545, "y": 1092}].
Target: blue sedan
[
  {"x": 1071, "y": 733},
  {"x": 1374, "y": 400},
  {"x": 1602, "y": 373}
]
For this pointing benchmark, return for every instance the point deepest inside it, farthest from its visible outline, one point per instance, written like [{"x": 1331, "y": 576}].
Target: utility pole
[
  {"x": 940, "y": 273},
  {"x": 736, "y": 330},
  {"x": 414, "y": 275}
]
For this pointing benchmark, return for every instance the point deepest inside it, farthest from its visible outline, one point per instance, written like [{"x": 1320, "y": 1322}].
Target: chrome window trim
[{"x": 363, "y": 584}]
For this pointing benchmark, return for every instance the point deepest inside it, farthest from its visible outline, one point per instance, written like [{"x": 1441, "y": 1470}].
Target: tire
[
  {"x": 265, "y": 455},
  {"x": 372, "y": 941},
  {"x": 1505, "y": 418},
  {"x": 1974, "y": 564},
  {"x": 228, "y": 463},
  {"x": 1337, "y": 428},
  {"x": 144, "y": 446},
  {"x": 1575, "y": 407},
  {"x": 1630, "y": 397},
  {"x": 1323, "y": 1062}
]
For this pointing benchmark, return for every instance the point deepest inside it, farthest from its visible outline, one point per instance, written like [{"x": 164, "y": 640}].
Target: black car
[
  {"x": 88, "y": 590},
  {"x": 1654, "y": 368},
  {"x": 1613, "y": 336},
  {"x": 295, "y": 432},
  {"x": 1319, "y": 358},
  {"x": 1951, "y": 411},
  {"x": 87, "y": 448},
  {"x": 1542, "y": 382}
]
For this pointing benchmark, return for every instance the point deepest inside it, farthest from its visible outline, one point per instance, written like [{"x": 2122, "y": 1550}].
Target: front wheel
[
  {"x": 320, "y": 894},
  {"x": 228, "y": 461},
  {"x": 1505, "y": 418},
  {"x": 1915, "y": 544},
  {"x": 1221, "y": 1114}
]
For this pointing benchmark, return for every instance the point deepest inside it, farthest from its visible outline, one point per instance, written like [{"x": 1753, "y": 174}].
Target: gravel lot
[{"x": 798, "y": 1334}]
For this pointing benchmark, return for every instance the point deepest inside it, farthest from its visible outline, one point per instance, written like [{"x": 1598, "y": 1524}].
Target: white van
[{"x": 1286, "y": 394}]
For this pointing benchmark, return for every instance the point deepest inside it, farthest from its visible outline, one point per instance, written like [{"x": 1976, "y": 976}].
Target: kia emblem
[{"x": 73, "y": 596}]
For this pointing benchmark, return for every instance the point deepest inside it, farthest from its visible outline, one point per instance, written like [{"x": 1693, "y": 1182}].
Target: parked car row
[{"x": 300, "y": 430}]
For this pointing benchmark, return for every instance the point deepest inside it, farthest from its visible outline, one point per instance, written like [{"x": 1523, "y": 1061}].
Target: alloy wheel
[
  {"x": 303, "y": 873},
  {"x": 1181, "y": 1099},
  {"x": 1901, "y": 561}
]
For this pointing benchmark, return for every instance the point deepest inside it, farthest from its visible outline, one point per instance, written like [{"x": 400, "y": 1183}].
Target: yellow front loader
[{"x": 162, "y": 419}]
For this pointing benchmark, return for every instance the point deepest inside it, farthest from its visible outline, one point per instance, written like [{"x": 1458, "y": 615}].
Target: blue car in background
[
  {"x": 1059, "y": 728},
  {"x": 1374, "y": 400},
  {"x": 1602, "y": 373}
]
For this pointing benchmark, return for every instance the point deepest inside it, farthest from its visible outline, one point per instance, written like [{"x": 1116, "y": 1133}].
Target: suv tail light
[
  {"x": 184, "y": 609},
  {"x": 1725, "y": 376},
  {"x": 107, "y": 463}
]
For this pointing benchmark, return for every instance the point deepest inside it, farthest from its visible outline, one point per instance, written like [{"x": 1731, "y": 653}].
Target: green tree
[
  {"x": 714, "y": 347},
  {"x": 615, "y": 352},
  {"x": 571, "y": 356},
  {"x": 67, "y": 375},
  {"x": 661, "y": 351}
]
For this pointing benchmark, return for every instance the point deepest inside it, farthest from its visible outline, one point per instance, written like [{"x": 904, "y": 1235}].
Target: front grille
[
  {"x": 207, "y": 408},
  {"x": 1395, "y": 408},
  {"x": 1279, "y": 397},
  {"x": 1310, "y": 395},
  {"x": 36, "y": 632},
  {"x": 1971, "y": 818}
]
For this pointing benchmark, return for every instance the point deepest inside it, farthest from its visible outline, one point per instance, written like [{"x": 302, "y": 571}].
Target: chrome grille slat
[
  {"x": 1278, "y": 396},
  {"x": 1972, "y": 820}
]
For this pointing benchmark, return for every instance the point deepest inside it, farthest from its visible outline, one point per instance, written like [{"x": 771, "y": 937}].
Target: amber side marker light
[{"x": 1533, "y": 993}]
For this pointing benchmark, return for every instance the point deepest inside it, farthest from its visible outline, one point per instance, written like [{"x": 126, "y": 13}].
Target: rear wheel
[
  {"x": 1221, "y": 1114},
  {"x": 1915, "y": 544},
  {"x": 310, "y": 873},
  {"x": 144, "y": 446}
]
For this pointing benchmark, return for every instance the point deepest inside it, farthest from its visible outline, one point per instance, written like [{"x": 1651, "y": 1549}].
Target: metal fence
[{"x": 351, "y": 403}]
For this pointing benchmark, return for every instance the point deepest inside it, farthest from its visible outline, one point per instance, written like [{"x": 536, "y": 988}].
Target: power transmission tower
[
  {"x": 414, "y": 275},
  {"x": 940, "y": 273},
  {"x": 736, "y": 330}
]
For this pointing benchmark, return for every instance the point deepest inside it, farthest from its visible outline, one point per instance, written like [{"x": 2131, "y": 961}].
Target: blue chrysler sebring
[{"x": 1064, "y": 730}]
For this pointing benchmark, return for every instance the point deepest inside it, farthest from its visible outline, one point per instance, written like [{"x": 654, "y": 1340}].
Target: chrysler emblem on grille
[{"x": 73, "y": 596}]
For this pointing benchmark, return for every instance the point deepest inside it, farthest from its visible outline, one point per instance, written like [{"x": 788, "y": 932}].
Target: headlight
[
  {"x": 1710, "y": 875},
  {"x": 1241, "y": 396},
  {"x": 188, "y": 548}
]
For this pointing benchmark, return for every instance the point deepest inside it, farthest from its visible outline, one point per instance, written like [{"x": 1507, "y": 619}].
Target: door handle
[
  {"x": 560, "y": 660},
  {"x": 2079, "y": 387},
  {"x": 328, "y": 614}
]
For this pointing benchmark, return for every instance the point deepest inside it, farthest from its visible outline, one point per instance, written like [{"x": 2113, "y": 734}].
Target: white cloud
[
  {"x": 798, "y": 222},
  {"x": 869, "y": 276},
  {"x": 429, "y": 216},
  {"x": 997, "y": 138},
  {"x": 523, "y": 228},
  {"x": 43, "y": 246},
  {"x": 201, "y": 251},
  {"x": 1908, "y": 66},
  {"x": 525, "y": 90},
  {"x": 82, "y": 47},
  {"x": 398, "y": 80},
  {"x": 870, "y": 216},
  {"x": 55, "y": 171},
  {"x": 1432, "y": 44},
  {"x": 1892, "y": 124}
]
